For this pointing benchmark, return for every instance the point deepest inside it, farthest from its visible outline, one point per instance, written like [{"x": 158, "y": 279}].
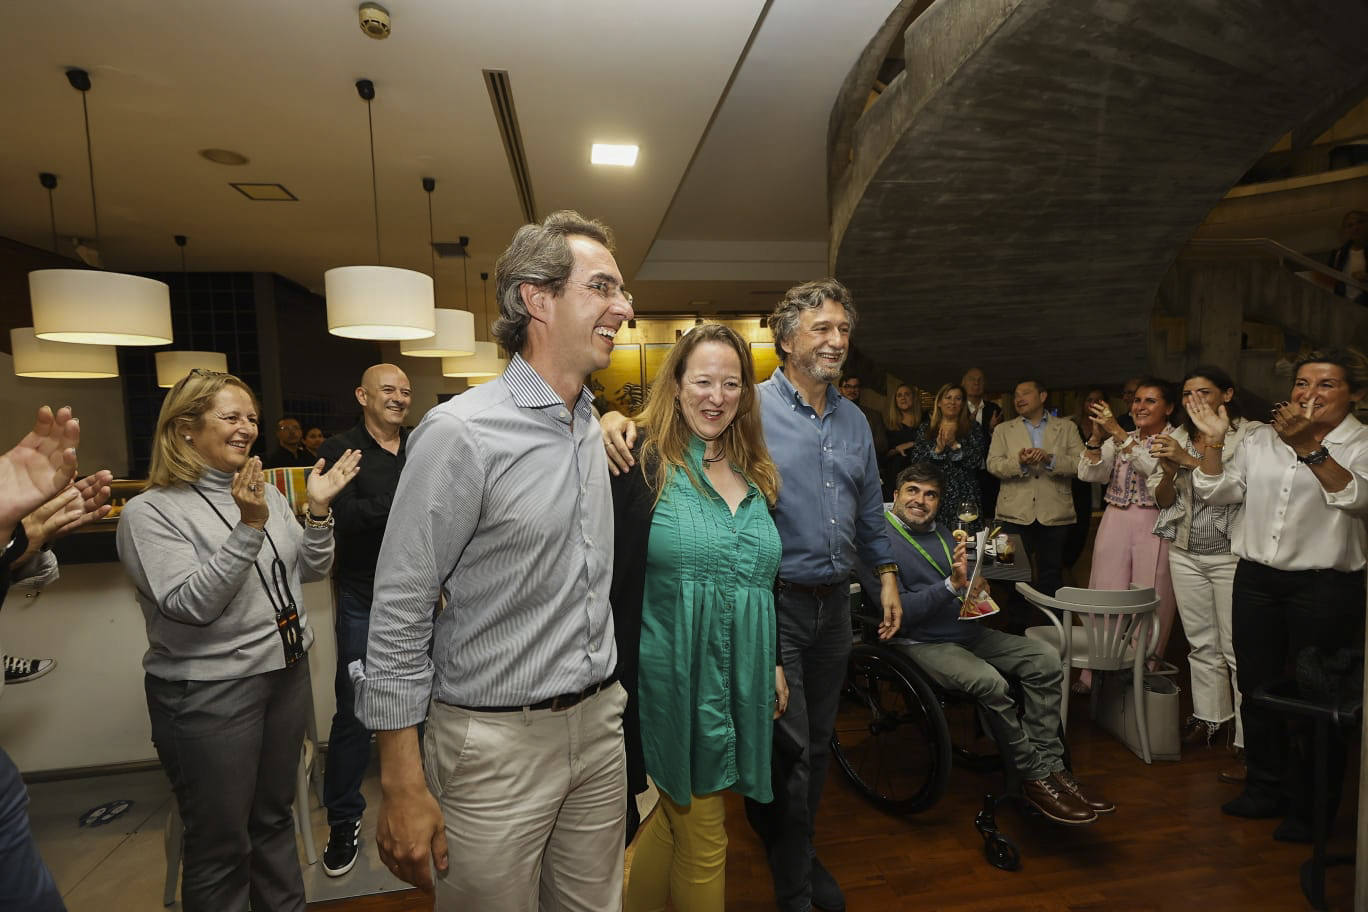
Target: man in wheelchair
[{"x": 965, "y": 656}]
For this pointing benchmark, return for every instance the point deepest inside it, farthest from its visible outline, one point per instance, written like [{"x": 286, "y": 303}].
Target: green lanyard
[{"x": 893, "y": 520}]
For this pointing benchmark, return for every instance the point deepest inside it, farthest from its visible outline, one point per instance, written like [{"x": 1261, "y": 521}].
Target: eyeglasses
[{"x": 607, "y": 290}]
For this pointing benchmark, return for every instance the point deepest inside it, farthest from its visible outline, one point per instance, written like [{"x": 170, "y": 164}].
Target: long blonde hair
[
  {"x": 669, "y": 435},
  {"x": 174, "y": 460},
  {"x": 893, "y": 418},
  {"x": 962, "y": 425}
]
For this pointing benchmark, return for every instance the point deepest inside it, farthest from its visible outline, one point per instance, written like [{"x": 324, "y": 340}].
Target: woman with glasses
[
  {"x": 693, "y": 604},
  {"x": 217, "y": 559},
  {"x": 954, "y": 444}
]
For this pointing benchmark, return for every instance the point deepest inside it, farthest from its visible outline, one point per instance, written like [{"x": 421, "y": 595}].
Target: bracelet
[
  {"x": 1215, "y": 446},
  {"x": 885, "y": 568},
  {"x": 1089, "y": 446},
  {"x": 315, "y": 522}
]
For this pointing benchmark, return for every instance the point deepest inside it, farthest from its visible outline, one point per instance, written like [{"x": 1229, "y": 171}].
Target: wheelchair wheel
[
  {"x": 891, "y": 738},
  {"x": 1002, "y": 853}
]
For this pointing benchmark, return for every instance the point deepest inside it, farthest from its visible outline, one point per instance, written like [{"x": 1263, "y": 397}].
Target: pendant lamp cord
[
  {"x": 52, "y": 219},
  {"x": 432, "y": 249},
  {"x": 375, "y": 197},
  {"x": 90, "y": 166}
]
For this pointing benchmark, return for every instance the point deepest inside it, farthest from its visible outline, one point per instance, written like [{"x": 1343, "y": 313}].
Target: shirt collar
[
  {"x": 833, "y": 398},
  {"x": 1343, "y": 431},
  {"x": 1044, "y": 417},
  {"x": 529, "y": 390}
]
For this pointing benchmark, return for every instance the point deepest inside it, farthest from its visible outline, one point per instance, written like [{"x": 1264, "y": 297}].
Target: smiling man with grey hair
[{"x": 526, "y": 781}]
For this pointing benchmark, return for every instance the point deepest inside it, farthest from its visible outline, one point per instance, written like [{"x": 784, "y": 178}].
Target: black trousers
[
  {"x": 1045, "y": 544},
  {"x": 1277, "y": 613},
  {"x": 231, "y": 750}
]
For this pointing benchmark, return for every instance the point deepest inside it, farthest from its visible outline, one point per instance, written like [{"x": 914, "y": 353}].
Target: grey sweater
[{"x": 208, "y": 615}]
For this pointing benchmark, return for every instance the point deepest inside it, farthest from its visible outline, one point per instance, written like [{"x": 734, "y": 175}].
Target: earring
[{"x": 188, "y": 438}]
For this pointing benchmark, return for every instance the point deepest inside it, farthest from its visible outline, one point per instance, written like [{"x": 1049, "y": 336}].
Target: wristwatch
[
  {"x": 1316, "y": 456},
  {"x": 885, "y": 568}
]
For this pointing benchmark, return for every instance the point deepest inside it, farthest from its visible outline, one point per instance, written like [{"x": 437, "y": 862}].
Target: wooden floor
[{"x": 1168, "y": 847}]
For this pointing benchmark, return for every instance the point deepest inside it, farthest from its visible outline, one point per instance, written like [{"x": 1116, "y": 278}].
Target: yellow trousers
[{"x": 681, "y": 855}]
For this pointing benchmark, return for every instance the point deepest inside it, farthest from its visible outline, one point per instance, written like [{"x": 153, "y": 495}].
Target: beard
[{"x": 808, "y": 364}]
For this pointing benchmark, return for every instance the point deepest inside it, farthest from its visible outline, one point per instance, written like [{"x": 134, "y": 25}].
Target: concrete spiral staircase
[{"x": 1016, "y": 196}]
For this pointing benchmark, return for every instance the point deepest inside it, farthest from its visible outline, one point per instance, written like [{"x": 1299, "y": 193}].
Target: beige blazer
[{"x": 1037, "y": 494}]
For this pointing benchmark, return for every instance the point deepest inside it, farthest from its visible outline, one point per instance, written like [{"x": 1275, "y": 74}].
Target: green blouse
[{"x": 707, "y": 640}]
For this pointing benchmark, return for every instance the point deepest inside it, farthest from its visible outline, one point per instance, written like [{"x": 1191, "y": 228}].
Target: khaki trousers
[{"x": 534, "y": 803}]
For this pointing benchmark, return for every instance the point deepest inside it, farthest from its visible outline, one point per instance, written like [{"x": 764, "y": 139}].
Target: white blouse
[{"x": 1290, "y": 522}]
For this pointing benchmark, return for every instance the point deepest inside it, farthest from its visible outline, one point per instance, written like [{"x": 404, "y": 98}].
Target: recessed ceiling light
[
  {"x": 264, "y": 192},
  {"x": 224, "y": 156},
  {"x": 606, "y": 154}
]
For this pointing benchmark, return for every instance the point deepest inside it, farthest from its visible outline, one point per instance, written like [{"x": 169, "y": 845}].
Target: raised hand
[
  {"x": 249, "y": 492},
  {"x": 959, "y": 565},
  {"x": 39, "y": 467},
  {"x": 1293, "y": 425},
  {"x": 1104, "y": 419},
  {"x": 324, "y": 486},
  {"x": 1212, "y": 424},
  {"x": 945, "y": 436}
]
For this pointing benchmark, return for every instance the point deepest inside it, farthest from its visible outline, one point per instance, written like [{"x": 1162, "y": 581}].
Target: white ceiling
[{"x": 274, "y": 81}]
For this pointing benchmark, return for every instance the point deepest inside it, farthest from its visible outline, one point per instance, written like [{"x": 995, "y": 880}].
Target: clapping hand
[
  {"x": 249, "y": 492},
  {"x": 83, "y": 502},
  {"x": 1103, "y": 418},
  {"x": 39, "y": 467},
  {"x": 1212, "y": 424},
  {"x": 1171, "y": 454},
  {"x": 324, "y": 486},
  {"x": 1293, "y": 425},
  {"x": 945, "y": 436}
]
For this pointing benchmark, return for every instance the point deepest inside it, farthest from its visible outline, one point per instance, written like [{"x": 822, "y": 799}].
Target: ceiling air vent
[{"x": 501, "y": 97}]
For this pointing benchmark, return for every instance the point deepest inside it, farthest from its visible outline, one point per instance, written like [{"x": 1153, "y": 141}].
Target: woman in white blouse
[
  {"x": 1301, "y": 544},
  {"x": 1200, "y": 560},
  {"x": 1127, "y": 552}
]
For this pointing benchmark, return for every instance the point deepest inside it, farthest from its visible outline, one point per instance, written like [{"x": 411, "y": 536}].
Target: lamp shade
[
  {"x": 173, "y": 365},
  {"x": 379, "y": 302},
  {"x": 93, "y": 307},
  {"x": 34, "y": 357},
  {"x": 455, "y": 336},
  {"x": 484, "y": 363}
]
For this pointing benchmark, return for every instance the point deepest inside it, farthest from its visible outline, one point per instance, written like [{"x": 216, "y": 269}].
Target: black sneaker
[
  {"x": 21, "y": 671},
  {"x": 340, "y": 854}
]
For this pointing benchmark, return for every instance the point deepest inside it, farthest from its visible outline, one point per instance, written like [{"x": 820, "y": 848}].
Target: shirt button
[{"x": 833, "y": 522}]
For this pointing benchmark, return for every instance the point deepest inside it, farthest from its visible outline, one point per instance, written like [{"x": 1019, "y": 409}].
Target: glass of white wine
[{"x": 968, "y": 515}]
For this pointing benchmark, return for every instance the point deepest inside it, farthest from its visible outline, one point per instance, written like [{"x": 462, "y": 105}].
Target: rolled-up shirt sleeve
[
  {"x": 435, "y": 513},
  {"x": 1353, "y": 497}
]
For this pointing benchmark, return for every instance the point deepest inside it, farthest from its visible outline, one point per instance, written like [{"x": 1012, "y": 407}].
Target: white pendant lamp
[
  {"x": 90, "y": 306},
  {"x": 173, "y": 365},
  {"x": 484, "y": 363},
  {"x": 378, "y": 302},
  {"x": 34, "y": 357},
  {"x": 455, "y": 335}
]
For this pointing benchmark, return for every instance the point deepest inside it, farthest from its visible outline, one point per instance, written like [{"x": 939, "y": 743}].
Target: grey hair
[
  {"x": 808, "y": 296},
  {"x": 538, "y": 255}
]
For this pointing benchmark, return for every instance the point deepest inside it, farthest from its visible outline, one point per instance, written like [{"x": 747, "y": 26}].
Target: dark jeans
[
  {"x": 1277, "y": 613},
  {"x": 349, "y": 741},
  {"x": 1045, "y": 544},
  {"x": 231, "y": 749},
  {"x": 814, "y": 639},
  {"x": 25, "y": 883}
]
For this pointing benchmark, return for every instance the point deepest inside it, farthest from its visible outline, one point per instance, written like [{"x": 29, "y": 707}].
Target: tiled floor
[{"x": 121, "y": 866}]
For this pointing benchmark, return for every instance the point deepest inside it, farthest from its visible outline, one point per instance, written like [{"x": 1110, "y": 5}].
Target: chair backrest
[{"x": 1113, "y": 620}]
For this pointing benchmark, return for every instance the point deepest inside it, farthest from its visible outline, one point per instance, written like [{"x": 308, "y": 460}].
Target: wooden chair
[{"x": 1113, "y": 623}]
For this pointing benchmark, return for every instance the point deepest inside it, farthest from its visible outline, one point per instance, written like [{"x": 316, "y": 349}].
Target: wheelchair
[{"x": 892, "y": 738}]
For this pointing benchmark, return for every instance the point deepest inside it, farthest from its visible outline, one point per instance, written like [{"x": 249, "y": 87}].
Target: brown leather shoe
[
  {"x": 1067, "y": 783},
  {"x": 1060, "y": 806},
  {"x": 1199, "y": 732}
]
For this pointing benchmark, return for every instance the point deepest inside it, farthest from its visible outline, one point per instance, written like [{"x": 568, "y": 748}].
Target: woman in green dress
[{"x": 693, "y": 600}]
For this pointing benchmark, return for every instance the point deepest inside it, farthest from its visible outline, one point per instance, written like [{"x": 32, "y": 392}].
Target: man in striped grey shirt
[{"x": 504, "y": 508}]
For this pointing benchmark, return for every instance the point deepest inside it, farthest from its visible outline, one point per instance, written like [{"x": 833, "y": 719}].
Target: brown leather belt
[
  {"x": 555, "y": 704},
  {"x": 821, "y": 591}
]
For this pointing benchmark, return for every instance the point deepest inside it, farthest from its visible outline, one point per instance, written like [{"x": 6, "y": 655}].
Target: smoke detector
[{"x": 375, "y": 20}]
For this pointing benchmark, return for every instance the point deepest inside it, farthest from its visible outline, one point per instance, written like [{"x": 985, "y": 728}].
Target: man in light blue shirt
[
  {"x": 829, "y": 512},
  {"x": 504, "y": 509}
]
